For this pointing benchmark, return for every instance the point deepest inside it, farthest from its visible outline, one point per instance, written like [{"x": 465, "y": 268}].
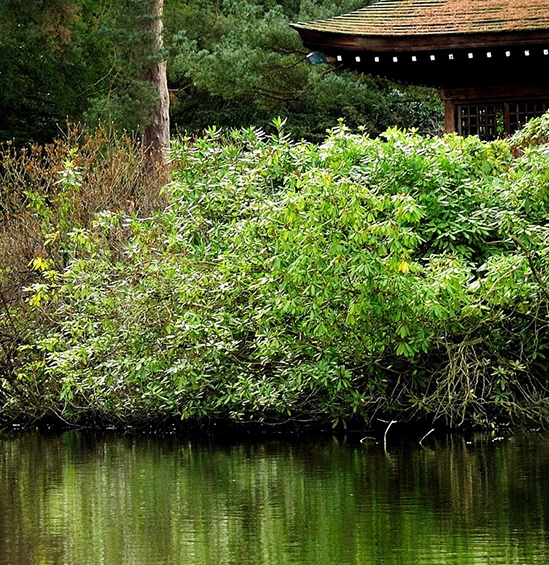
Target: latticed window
[
  {"x": 521, "y": 112},
  {"x": 487, "y": 121},
  {"x": 492, "y": 121}
]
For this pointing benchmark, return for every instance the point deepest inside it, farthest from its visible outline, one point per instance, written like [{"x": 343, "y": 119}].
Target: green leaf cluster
[{"x": 403, "y": 276}]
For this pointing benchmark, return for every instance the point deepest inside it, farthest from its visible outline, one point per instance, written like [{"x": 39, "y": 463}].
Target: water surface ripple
[{"x": 84, "y": 498}]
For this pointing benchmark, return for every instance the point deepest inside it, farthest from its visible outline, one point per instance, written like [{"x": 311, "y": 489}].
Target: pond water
[{"x": 84, "y": 498}]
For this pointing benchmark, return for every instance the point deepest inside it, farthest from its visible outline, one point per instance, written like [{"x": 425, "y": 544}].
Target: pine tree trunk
[{"x": 156, "y": 138}]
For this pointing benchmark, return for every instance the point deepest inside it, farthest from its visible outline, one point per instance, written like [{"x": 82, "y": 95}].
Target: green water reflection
[{"x": 81, "y": 498}]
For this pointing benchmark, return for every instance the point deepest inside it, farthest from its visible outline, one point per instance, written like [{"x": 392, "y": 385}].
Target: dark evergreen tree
[
  {"x": 76, "y": 60},
  {"x": 48, "y": 62},
  {"x": 230, "y": 62},
  {"x": 235, "y": 63}
]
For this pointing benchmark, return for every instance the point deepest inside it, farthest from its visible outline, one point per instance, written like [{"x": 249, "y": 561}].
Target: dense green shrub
[{"x": 287, "y": 281}]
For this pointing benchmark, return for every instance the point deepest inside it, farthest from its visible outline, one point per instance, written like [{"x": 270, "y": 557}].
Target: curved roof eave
[
  {"x": 330, "y": 41},
  {"x": 431, "y": 22}
]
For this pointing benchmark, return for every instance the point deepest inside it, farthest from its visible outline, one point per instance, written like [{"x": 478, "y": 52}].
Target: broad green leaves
[{"x": 404, "y": 275}]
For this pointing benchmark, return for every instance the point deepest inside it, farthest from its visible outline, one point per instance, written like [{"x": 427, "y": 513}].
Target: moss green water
[{"x": 82, "y": 498}]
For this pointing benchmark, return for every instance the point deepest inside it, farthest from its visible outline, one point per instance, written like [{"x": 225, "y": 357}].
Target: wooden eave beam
[
  {"x": 333, "y": 43},
  {"x": 495, "y": 93}
]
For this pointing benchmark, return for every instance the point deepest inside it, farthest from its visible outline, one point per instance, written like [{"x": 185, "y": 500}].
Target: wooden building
[{"x": 488, "y": 58}]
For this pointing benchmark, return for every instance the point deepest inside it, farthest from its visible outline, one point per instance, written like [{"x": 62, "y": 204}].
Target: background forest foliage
[
  {"x": 278, "y": 280},
  {"x": 230, "y": 63}
]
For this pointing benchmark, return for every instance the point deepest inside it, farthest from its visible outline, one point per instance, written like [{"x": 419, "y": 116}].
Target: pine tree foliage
[{"x": 229, "y": 63}]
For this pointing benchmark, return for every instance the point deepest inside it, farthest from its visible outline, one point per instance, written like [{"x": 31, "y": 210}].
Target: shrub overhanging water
[{"x": 285, "y": 281}]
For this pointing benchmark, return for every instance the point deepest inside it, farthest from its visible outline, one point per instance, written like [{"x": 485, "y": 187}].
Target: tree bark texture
[{"x": 156, "y": 138}]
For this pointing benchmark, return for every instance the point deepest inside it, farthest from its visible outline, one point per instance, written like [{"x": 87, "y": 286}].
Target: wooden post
[{"x": 450, "y": 118}]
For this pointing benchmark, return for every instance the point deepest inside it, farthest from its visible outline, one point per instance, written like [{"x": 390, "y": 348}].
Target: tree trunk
[{"x": 156, "y": 138}]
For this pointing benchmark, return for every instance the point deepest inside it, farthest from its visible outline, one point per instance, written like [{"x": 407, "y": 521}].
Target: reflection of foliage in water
[{"x": 82, "y": 498}]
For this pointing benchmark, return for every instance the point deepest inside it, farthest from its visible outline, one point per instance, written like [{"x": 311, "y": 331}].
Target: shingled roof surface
[{"x": 438, "y": 17}]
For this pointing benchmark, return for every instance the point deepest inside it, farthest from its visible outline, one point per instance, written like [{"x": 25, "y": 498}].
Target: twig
[
  {"x": 428, "y": 433},
  {"x": 386, "y": 431}
]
